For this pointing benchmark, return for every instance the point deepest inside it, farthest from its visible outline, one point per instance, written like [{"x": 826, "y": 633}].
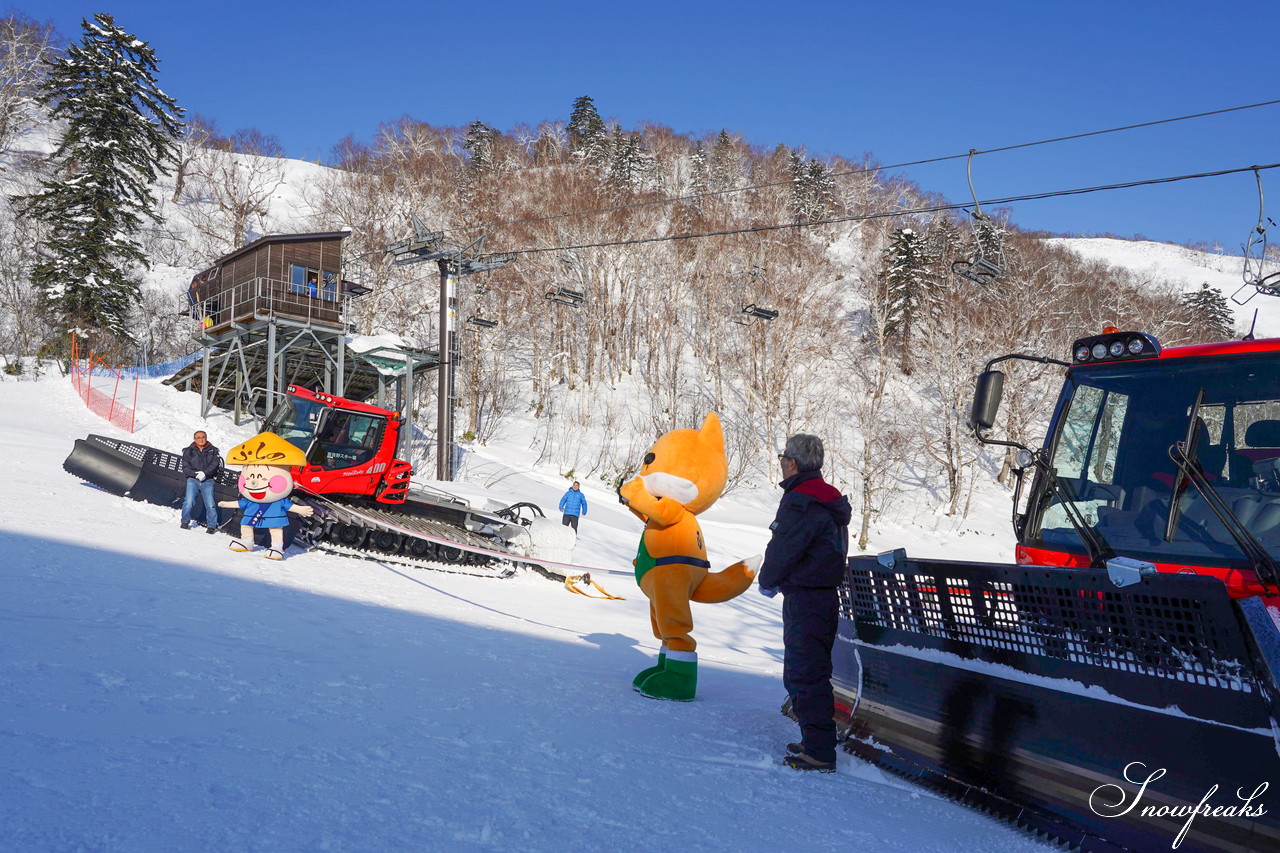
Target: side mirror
[{"x": 986, "y": 399}]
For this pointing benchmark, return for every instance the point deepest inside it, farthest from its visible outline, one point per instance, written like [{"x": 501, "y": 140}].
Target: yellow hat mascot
[
  {"x": 265, "y": 484},
  {"x": 683, "y": 474}
]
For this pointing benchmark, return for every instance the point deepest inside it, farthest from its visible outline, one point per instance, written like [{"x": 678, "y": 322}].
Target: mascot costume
[
  {"x": 683, "y": 474},
  {"x": 265, "y": 484}
]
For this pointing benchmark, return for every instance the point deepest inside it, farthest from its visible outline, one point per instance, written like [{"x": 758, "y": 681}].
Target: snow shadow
[{"x": 152, "y": 705}]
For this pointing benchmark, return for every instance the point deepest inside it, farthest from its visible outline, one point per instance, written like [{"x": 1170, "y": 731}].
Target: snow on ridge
[{"x": 1187, "y": 268}]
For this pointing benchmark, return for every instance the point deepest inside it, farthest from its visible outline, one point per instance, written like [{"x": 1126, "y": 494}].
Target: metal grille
[
  {"x": 1076, "y": 616},
  {"x": 162, "y": 459},
  {"x": 136, "y": 452}
]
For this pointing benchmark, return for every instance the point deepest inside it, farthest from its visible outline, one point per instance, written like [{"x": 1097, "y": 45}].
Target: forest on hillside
[{"x": 863, "y": 332}]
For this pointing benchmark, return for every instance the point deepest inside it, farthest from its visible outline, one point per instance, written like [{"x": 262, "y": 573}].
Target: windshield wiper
[
  {"x": 1099, "y": 551},
  {"x": 1189, "y": 469},
  {"x": 1189, "y": 446}
]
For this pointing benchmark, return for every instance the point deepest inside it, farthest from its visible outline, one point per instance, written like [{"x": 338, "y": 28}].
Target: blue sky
[{"x": 901, "y": 81}]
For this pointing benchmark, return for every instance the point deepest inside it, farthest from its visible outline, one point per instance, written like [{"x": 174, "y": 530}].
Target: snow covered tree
[
  {"x": 548, "y": 148},
  {"x": 232, "y": 180},
  {"x": 588, "y": 136},
  {"x": 699, "y": 176},
  {"x": 478, "y": 143},
  {"x": 1209, "y": 309},
  {"x": 989, "y": 239},
  {"x": 726, "y": 163},
  {"x": 120, "y": 133},
  {"x": 812, "y": 190},
  {"x": 630, "y": 162},
  {"x": 26, "y": 50},
  {"x": 905, "y": 287}
]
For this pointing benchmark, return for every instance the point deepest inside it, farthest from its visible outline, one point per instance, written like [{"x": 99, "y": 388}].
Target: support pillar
[
  {"x": 340, "y": 387},
  {"x": 444, "y": 391},
  {"x": 204, "y": 384},
  {"x": 270, "y": 402}
]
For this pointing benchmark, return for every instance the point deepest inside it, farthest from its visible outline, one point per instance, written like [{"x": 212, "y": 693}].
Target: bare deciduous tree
[{"x": 27, "y": 47}]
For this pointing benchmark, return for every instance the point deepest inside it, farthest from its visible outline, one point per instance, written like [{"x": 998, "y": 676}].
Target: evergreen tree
[
  {"x": 478, "y": 143},
  {"x": 905, "y": 287},
  {"x": 988, "y": 238},
  {"x": 1209, "y": 310},
  {"x": 812, "y": 190},
  {"x": 944, "y": 245},
  {"x": 699, "y": 176},
  {"x": 726, "y": 167},
  {"x": 121, "y": 131},
  {"x": 588, "y": 136},
  {"x": 630, "y": 163}
]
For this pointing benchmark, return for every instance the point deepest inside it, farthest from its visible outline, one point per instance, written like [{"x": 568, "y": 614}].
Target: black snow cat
[{"x": 1118, "y": 688}]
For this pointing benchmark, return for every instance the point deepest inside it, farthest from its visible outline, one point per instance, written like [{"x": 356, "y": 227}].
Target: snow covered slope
[
  {"x": 1166, "y": 262},
  {"x": 163, "y": 693}
]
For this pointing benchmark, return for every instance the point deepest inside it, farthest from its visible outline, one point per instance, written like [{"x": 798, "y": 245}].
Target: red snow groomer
[
  {"x": 1119, "y": 687},
  {"x": 361, "y": 492}
]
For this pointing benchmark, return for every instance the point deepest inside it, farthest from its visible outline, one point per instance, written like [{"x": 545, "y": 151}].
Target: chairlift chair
[
  {"x": 565, "y": 296},
  {"x": 1255, "y": 255},
  {"x": 755, "y": 312},
  {"x": 979, "y": 270}
]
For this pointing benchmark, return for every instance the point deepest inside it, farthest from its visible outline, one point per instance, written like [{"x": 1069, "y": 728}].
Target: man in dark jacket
[
  {"x": 805, "y": 560},
  {"x": 201, "y": 464}
]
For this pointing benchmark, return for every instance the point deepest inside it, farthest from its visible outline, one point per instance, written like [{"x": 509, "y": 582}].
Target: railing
[
  {"x": 269, "y": 297},
  {"x": 113, "y": 409}
]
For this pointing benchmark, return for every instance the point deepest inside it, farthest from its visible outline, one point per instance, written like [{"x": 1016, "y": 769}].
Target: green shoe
[
  {"x": 678, "y": 681},
  {"x": 648, "y": 671}
]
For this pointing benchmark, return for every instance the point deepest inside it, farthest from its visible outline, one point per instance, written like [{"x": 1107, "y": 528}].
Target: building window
[{"x": 304, "y": 281}]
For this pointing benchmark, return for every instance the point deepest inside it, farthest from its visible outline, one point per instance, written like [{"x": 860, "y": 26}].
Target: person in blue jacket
[
  {"x": 805, "y": 561},
  {"x": 573, "y": 504}
]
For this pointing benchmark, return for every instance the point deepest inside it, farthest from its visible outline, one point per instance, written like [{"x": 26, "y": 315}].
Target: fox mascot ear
[
  {"x": 711, "y": 434},
  {"x": 712, "y": 468}
]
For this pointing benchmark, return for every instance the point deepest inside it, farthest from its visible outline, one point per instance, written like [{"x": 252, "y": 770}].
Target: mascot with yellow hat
[
  {"x": 682, "y": 475},
  {"x": 265, "y": 485}
]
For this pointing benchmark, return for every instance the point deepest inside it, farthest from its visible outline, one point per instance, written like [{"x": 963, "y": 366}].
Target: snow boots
[
  {"x": 804, "y": 761},
  {"x": 677, "y": 679},
  {"x": 653, "y": 670}
]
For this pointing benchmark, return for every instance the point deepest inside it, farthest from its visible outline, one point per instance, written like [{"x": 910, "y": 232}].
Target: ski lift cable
[
  {"x": 855, "y": 172},
  {"x": 937, "y": 208}
]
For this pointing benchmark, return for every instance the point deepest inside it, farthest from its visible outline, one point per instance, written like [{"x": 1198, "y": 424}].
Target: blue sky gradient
[{"x": 900, "y": 81}]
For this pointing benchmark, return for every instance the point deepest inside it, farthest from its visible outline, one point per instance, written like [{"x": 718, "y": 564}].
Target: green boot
[
  {"x": 677, "y": 681},
  {"x": 648, "y": 671}
]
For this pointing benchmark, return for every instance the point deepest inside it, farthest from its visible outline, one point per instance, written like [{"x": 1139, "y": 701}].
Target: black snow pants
[{"x": 809, "y": 618}]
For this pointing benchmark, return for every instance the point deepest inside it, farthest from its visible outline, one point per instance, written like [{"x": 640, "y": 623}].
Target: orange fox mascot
[{"x": 682, "y": 475}]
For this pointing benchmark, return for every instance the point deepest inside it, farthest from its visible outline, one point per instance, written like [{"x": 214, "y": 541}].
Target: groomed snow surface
[{"x": 159, "y": 692}]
